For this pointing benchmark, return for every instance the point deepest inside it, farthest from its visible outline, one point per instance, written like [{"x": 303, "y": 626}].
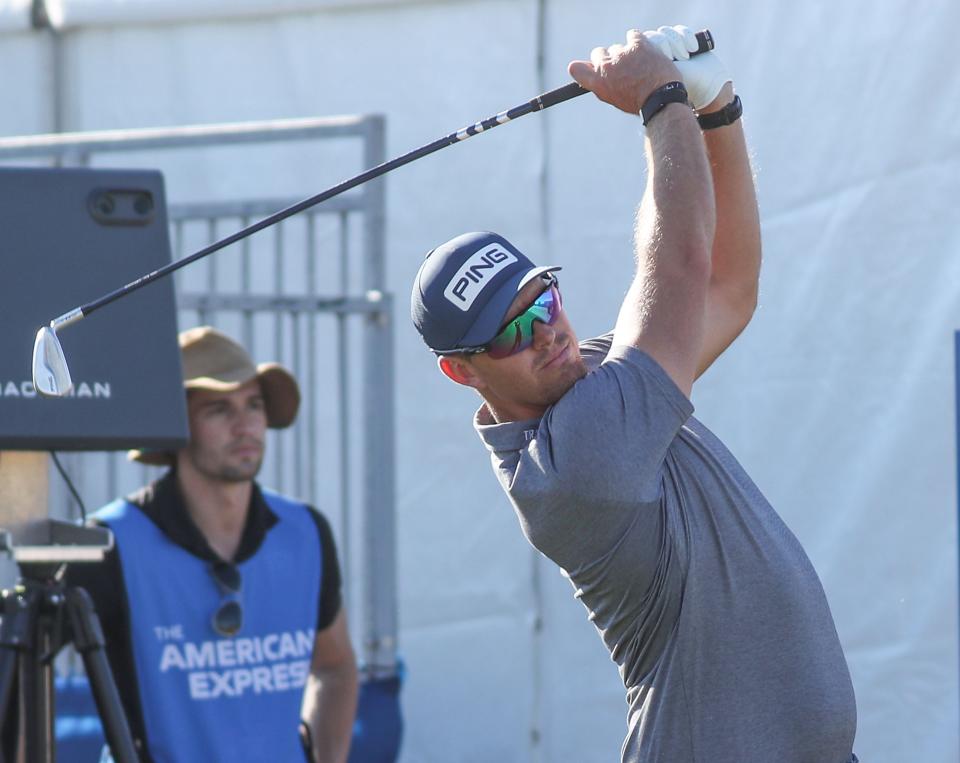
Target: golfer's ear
[{"x": 455, "y": 369}]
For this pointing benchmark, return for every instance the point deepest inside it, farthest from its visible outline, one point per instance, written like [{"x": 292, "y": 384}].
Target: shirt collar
[
  {"x": 509, "y": 435},
  {"x": 162, "y": 501}
]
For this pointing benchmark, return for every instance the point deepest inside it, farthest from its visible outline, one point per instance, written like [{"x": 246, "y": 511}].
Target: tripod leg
[
  {"x": 24, "y": 636},
  {"x": 89, "y": 642},
  {"x": 36, "y": 689},
  {"x": 16, "y": 636}
]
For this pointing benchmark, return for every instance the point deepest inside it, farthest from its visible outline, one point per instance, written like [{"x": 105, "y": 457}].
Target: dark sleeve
[
  {"x": 330, "y": 583},
  {"x": 104, "y": 582}
]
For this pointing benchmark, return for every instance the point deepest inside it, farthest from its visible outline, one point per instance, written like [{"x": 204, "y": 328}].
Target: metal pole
[{"x": 380, "y": 599}]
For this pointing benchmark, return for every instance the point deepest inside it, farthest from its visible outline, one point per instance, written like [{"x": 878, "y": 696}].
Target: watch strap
[
  {"x": 672, "y": 92},
  {"x": 725, "y": 116}
]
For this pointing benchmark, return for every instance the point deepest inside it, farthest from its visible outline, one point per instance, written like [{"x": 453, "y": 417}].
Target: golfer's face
[
  {"x": 227, "y": 432},
  {"x": 532, "y": 379}
]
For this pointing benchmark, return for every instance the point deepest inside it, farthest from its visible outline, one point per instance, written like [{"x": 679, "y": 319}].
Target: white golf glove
[{"x": 703, "y": 75}]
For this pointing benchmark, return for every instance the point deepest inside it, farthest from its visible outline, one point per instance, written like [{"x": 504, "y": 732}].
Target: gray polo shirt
[{"x": 704, "y": 598}]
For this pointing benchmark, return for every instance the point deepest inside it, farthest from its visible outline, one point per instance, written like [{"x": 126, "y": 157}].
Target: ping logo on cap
[{"x": 476, "y": 273}]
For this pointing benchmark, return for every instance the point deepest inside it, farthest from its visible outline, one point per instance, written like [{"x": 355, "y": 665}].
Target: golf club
[{"x": 51, "y": 375}]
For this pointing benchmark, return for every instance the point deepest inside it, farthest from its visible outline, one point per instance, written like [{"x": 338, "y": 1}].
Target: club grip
[
  {"x": 574, "y": 89},
  {"x": 705, "y": 40}
]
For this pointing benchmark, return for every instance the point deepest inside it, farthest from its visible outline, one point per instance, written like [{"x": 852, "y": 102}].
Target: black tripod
[{"x": 37, "y": 618}]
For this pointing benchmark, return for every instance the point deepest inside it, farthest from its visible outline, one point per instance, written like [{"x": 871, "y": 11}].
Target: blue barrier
[
  {"x": 77, "y": 729},
  {"x": 377, "y": 730}
]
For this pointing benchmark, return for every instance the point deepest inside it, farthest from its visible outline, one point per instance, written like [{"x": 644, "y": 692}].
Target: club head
[{"x": 51, "y": 377}]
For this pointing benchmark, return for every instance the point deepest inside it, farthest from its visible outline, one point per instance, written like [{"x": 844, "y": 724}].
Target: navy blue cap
[{"x": 464, "y": 288}]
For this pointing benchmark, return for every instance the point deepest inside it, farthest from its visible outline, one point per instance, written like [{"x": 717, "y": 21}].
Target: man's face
[
  {"x": 227, "y": 431},
  {"x": 523, "y": 385}
]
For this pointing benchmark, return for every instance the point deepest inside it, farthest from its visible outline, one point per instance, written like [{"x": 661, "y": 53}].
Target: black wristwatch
[
  {"x": 672, "y": 92},
  {"x": 725, "y": 116}
]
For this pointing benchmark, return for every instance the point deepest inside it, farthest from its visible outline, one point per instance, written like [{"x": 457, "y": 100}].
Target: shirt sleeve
[
  {"x": 597, "y": 454},
  {"x": 330, "y": 584},
  {"x": 616, "y": 422}
]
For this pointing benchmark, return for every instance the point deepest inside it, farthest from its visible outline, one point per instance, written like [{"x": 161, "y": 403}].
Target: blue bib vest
[{"x": 206, "y": 697}]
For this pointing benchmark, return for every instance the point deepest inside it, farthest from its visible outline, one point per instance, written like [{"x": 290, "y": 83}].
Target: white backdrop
[{"x": 838, "y": 399}]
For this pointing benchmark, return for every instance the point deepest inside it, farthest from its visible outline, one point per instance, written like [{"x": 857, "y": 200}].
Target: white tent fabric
[
  {"x": 72, "y": 14},
  {"x": 14, "y": 15},
  {"x": 838, "y": 399}
]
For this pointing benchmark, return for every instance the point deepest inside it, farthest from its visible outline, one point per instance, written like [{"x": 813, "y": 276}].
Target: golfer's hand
[
  {"x": 703, "y": 75},
  {"x": 623, "y": 75}
]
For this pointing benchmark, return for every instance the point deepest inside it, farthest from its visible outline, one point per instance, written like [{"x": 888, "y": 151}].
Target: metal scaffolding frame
[{"x": 283, "y": 322}]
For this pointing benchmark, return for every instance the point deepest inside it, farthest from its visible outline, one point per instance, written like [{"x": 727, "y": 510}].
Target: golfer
[{"x": 704, "y": 598}]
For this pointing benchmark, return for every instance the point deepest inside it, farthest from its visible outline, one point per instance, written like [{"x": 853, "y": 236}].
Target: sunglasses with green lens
[{"x": 517, "y": 335}]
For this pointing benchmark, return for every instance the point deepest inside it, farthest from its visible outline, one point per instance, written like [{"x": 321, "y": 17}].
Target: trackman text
[
  {"x": 476, "y": 273},
  {"x": 25, "y": 389}
]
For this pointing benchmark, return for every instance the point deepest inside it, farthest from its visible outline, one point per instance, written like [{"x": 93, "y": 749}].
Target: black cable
[{"x": 73, "y": 490}]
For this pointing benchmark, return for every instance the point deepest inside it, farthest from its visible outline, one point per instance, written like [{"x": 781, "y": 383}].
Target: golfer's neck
[{"x": 218, "y": 509}]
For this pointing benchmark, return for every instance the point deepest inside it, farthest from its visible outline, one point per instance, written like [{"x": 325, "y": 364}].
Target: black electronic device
[{"x": 67, "y": 234}]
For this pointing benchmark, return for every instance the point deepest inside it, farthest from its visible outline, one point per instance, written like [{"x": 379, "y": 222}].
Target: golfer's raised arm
[
  {"x": 735, "y": 259},
  {"x": 735, "y": 256},
  {"x": 663, "y": 313}
]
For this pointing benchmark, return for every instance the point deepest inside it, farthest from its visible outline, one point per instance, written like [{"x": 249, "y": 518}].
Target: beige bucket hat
[{"x": 212, "y": 360}]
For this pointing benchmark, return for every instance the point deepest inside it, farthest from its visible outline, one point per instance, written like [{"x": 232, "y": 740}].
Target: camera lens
[
  {"x": 105, "y": 204},
  {"x": 143, "y": 204}
]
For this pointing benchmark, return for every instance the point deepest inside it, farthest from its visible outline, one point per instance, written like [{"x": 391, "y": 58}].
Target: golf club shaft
[{"x": 551, "y": 98}]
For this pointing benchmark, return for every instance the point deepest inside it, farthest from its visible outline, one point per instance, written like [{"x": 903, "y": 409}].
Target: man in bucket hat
[
  {"x": 221, "y": 600},
  {"x": 704, "y": 598}
]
